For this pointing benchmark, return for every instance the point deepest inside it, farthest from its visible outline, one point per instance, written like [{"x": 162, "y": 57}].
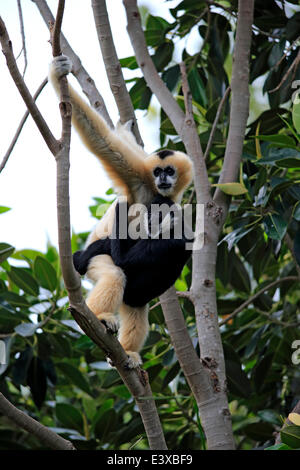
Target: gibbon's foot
[
  {"x": 111, "y": 323},
  {"x": 61, "y": 66},
  {"x": 134, "y": 360}
]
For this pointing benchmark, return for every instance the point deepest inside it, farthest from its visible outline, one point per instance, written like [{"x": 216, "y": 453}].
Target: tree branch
[
  {"x": 21, "y": 125},
  {"x": 18, "y": 79},
  {"x": 200, "y": 378},
  {"x": 45, "y": 435},
  {"x": 86, "y": 82},
  {"x": 113, "y": 67},
  {"x": 136, "y": 380},
  {"x": 239, "y": 109},
  {"x": 213, "y": 404}
]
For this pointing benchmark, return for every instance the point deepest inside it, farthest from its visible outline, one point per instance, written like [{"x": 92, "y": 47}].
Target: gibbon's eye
[
  {"x": 170, "y": 171},
  {"x": 157, "y": 171}
]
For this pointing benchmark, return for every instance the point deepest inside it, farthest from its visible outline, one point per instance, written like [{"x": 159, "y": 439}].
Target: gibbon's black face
[{"x": 165, "y": 179}]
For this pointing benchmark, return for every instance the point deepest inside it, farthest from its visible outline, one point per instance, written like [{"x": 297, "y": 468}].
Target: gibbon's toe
[
  {"x": 111, "y": 324},
  {"x": 110, "y": 362},
  {"x": 134, "y": 360}
]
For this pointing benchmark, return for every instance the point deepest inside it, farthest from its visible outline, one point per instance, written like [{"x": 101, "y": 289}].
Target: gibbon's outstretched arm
[{"x": 121, "y": 156}]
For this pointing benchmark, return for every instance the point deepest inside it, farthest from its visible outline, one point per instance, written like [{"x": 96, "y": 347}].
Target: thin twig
[
  {"x": 255, "y": 296},
  {"x": 23, "y": 36},
  {"x": 292, "y": 67},
  {"x": 21, "y": 125},
  {"x": 214, "y": 126},
  {"x": 288, "y": 49},
  {"x": 188, "y": 99},
  {"x": 20, "y": 84}
]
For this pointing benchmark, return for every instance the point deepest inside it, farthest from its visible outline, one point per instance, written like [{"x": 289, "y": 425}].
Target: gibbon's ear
[{"x": 117, "y": 150}]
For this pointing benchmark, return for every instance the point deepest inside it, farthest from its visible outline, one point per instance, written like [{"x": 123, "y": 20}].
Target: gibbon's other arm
[{"x": 117, "y": 149}]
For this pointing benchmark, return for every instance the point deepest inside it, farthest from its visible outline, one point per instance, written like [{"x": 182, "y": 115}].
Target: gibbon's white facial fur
[{"x": 165, "y": 179}]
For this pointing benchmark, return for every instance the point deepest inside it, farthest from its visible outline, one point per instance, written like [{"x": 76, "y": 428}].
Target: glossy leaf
[
  {"x": 75, "y": 376},
  {"x": 36, "y": 380},
  {"x": 24, "y": 280},
  {"x": 296, "y": 116},
  {"x": 290, "y": 436},
  {"x": 233, "y": 189},
  {"x": 69, "y": 416},
  {"x": 275, "y": 226},
  {"x": 6, "y": 251},
  {"x": 45, "y": 273}
]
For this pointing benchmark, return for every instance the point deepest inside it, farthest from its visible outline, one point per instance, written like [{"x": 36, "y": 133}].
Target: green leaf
[
  {"x": 171, "y": 374},
  {"x": 27, "y": 329},
  {"x": 235, "y": 236},
  {"x": 197, "y": 87},
  {"x": 140, "y": 94},
  {"x": 288, "y": 163},
  {"x": 129, "y": 63},
  {"x": 163, "y": 55},
  {"x": 4, "y": 209},
  {"x": 105, "y": 424},
  {"x": 21, "y": 278},
  {"x": 233, "y": 189},
  {"x": 69, "y": 416},
  {"x": 278, "y": 447},
  {"x": 20, "y": 367},
  {"x": 276, "y": 155},
  {"x": 26, "y": 254},
  {"x": 290, "y": 436},
  {"x": 75, "y": 376},
  {"x": 259, "y": 431},
  {"x": 171, "y": 76},
  {"x": 279, "y": 140},
  {"x": 5, "y": 251},
  {"x": 36, "y": 380},
  {"x": 296, "y": 115},
  {"x": 238, "y": 382},
  {"x": 45, "y": 273},
  {"x": 296, "y": 213},
  {"x": 156, "y": 29},
  {"x": 275, "y": 226},
  {"x": 15, "y": 300},
  {"x": 297, "y": 246}
]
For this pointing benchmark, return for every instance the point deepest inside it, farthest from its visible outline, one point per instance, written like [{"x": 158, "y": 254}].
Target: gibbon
[{"x": 137, "y": 176}]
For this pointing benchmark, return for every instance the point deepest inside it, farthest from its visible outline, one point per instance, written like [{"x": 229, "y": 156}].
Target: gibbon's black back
[{"x": 150, "y": 265}]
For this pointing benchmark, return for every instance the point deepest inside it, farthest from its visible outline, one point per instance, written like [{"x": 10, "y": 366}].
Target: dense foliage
[{"x": 61, "y": 378}]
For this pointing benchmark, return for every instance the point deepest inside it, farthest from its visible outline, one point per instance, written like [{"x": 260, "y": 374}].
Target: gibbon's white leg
[
  {"x": 133, "y": 331},
  {"x": 106, "y": 296}
]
